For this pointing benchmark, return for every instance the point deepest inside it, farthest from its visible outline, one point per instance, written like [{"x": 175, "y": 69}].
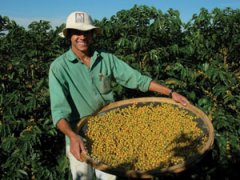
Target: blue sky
[{"x": 56, "y": 11}]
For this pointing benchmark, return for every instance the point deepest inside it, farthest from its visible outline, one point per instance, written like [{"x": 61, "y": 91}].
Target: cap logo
[{"x": 79, "y": 18}]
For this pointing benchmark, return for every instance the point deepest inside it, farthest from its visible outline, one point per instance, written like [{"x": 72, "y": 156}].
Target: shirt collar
[{"x": 72, "y": 57}]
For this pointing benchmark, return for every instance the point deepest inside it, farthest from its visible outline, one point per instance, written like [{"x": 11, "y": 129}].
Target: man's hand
[
  {"x": 76, "y": 143},
  {"x": 179, "y": 98},
  {"x": 156, "y": 87},
  {"x": 77, "y": 147}
]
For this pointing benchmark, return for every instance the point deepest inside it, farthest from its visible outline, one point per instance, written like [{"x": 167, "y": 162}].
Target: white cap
[{"x": 79, "y": 21}]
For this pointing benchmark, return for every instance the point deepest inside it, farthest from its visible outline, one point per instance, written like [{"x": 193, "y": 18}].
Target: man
[{"x": 80, "y": 83}]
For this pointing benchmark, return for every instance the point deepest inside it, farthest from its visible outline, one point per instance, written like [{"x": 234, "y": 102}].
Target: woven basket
[{"x": 206, "y": 126}]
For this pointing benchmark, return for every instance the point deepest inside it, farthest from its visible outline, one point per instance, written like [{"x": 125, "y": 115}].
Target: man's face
[{"x": 80, "y": 40}]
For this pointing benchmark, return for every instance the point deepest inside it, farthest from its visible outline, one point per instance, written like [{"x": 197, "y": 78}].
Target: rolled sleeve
[
  {"x": 145, "y": 84},
  {"x": 60, "y": 107}
]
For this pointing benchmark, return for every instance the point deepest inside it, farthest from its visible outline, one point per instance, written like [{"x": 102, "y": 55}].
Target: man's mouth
[{"x": 82, "y": 43}]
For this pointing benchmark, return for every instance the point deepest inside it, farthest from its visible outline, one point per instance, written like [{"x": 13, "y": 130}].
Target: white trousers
[{"x": 83, "y": 171}]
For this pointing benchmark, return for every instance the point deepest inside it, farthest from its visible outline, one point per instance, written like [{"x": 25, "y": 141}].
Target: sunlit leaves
[{"x": 199, "y": 59}]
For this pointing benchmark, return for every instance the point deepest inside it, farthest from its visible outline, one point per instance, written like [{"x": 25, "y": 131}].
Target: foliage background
[{"x": 199, "y": 59}]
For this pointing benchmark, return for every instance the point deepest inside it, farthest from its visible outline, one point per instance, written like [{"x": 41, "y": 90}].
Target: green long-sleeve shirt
[{"x": 77, "y": 91}]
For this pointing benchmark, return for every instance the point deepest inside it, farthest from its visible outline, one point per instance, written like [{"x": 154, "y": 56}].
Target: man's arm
[
  {"x": 76, "y": 144},
  {"x": 156, "y": 87}
]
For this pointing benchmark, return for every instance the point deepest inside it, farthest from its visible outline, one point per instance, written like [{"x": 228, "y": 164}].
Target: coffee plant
[{"x": 199, "y": 59}]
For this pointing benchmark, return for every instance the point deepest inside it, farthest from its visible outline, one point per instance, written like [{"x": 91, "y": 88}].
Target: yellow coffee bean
[{"x": 144, "y": 138}]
